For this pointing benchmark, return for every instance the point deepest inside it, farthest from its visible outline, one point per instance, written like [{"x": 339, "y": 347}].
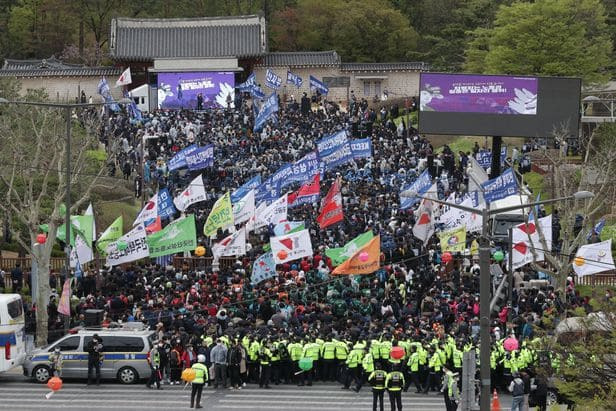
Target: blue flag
[
  {"x": 500, "y": 187},
  {"x": 179, "y": 160},
  {"x": 272, "y": 80},
  {"x": 303, "y": 169},
  {"x": 419, "y": 186},
  {"x": 484, "y": 157},
  {"x": 263, "y": 268},
  {"x": 166, "y": 208},
  {"x": 133, "y": 110},
  {"x": 318, "y": 85},
  {"x": 250, "y": 82},
  {"x": 251, "y": 184},
  {"x": 269, "y": 108},
  {"x": 105, "y": 92},
  {"x": 202, "y": 157},
  {"x": 361, "y": 148},
  {"x": 329, "y": 144},
  {"x": 294, "y": 79},
  {"x": 596, "y": 229}
]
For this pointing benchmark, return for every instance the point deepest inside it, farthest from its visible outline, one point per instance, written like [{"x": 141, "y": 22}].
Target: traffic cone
[{"x": 495, "y": 402}]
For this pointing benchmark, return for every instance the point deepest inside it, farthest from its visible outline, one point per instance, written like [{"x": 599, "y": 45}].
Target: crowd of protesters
[{"x": 257, "y": 333}]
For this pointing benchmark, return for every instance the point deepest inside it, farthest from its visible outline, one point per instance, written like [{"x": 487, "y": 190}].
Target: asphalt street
[{"x": 17, "y": 393}]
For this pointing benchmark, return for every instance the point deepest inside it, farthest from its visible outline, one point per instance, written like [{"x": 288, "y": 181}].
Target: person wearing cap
[{"x": 201, "y": 376}]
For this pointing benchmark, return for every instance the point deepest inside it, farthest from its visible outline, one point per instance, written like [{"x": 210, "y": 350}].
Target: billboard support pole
[{"x": 495, "y": 167}]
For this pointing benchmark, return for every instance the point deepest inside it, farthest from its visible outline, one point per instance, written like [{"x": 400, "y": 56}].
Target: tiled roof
[
  {"x": 301, "y": 59},
  {"x": 410, "y": 65},
  {"x": 52, "y": 67},
  {"x": 147, "y": 39}
]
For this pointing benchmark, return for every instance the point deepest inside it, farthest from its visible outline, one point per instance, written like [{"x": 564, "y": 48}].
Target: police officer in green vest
[
  {"x": 154, "y": 362},
  {"x": 295, "y": 353},
  {"x": 265, "y": 360},
  {"x": 328, "y": 353},
  {"x": 414, "y": 371},
  {"x": 394, "y": 384},
  {"x": 201, "y": 376},
  {"x": 377, "y": 380},
  {"x": 311, "y": 350},
  {"x": 450, "y": 389}
]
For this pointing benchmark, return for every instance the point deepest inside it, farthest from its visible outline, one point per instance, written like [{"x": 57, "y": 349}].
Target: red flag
[
  {"x": 308, "y": 193},
  {"x": 154, "y": 226},
  {"x": 331, "y": 212}
]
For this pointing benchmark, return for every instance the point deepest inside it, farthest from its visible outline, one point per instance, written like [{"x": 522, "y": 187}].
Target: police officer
[
  {"x": 328, "y": 353},
  {"x": 154, "y": 362},
  {"x": 94, "y": 350},
  {"x": 295, "y": 352},
  {"x": 377, "y": 379},
  {"x": 394, "y": 384},
  {"x": 311, "y": 350},
  {"x": 201, "y": 376},
  {"x": 450, "y": 389},
  {"x": 265, "y": 360},
  {"x": 55, "y": 362},
  {"x": 414, "y": 372}
]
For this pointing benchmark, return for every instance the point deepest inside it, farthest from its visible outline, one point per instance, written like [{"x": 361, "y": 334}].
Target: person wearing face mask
[{"x": 154, "y": 362}]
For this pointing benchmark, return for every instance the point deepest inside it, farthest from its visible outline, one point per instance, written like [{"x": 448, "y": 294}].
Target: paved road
[{"x": 18, "y": 394}]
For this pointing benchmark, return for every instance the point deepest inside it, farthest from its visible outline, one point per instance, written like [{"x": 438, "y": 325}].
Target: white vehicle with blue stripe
[
  {"x": 12, "y": 333},
  {"x": 125, "y": 353}
]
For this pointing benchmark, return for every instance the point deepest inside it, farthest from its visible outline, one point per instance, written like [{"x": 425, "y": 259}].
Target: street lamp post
[{"x": 484, "y": 280}]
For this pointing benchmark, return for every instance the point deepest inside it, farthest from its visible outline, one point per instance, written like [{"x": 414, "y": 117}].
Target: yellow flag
[
  {"x": 221, "y": 215},
  {"x": 453, "y": 240},
  {"x": 365, "y": 261}
]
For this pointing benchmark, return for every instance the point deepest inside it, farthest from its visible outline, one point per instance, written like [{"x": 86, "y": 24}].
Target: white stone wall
[
  {"x": 399, "y": 84},
  {"x": 66, "y": 89}
]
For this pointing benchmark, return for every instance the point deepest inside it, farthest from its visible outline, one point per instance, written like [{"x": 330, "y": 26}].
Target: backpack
[{"x": 518, "y": 387}]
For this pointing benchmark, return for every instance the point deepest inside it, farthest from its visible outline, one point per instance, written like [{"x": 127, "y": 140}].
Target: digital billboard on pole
[
  {"x": 524, "y": 106},
  {"x": 181, "y": 90}
]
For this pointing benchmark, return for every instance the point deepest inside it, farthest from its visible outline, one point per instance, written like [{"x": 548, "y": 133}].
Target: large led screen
[
  {"x": 181, "y": 90},
  {"x": 524, "y": 106}
]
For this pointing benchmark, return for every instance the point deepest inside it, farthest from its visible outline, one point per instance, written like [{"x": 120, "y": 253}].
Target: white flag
[
  {"x": 476, "y": 176},
  {"x": 527, "y": 246},
  {"x": 251, "y": 224},
  {"x": 90, "y": 211},
  {"x": 131, "y": 246},
  {"x": 594, "y": 258},
  {"x": 232, "y": 245},
  {"x": 194, "y": 193},
  {"x": 244, "y": 208},
  {"x": 273, "y": 214},
  {"x": 149, "y": 211},
  {"x": 291, "y": 246},
  {"x": 125, "y": 78}
]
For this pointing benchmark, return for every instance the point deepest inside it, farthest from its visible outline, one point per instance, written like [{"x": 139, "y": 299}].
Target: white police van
[{"x": 125, "y": 352}]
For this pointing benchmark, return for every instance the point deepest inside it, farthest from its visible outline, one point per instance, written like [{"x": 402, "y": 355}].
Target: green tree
[
  {"x": 359, "y": 30},
  {"x": 33, "y": 180},
  {"x": 546, "y": 37}
]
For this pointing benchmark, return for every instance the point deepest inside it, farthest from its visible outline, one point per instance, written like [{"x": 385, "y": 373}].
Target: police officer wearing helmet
[{"x": 201, "y": 376}]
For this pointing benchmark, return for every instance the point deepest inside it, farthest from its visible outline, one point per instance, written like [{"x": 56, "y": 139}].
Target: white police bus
[{"x": 12, "y": 332}]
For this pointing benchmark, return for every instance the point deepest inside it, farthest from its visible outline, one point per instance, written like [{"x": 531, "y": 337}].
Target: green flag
[
  {"x": 111, "y": 234},
  {"x": 179, "y": 236},
  {"x": 221, "y": 215},
  {"x": 340, "y": 255}
]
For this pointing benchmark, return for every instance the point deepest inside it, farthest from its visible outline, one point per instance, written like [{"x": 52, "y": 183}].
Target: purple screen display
[
  {"x": 181, "y": 90},
  {"x": 464, "y": 93}
]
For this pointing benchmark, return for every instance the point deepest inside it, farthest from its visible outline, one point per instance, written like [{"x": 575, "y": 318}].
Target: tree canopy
[{"x": 546, "y": 37}]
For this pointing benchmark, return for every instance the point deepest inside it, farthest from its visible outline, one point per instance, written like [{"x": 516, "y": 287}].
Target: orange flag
[{"x": 365, "y": 261}]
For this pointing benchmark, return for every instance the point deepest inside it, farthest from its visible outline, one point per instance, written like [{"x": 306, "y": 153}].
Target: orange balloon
[
  {"x": 54, "y": 383},
  {"x": 189, "y": 374},
  {"x": 200, "y": 251}
]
